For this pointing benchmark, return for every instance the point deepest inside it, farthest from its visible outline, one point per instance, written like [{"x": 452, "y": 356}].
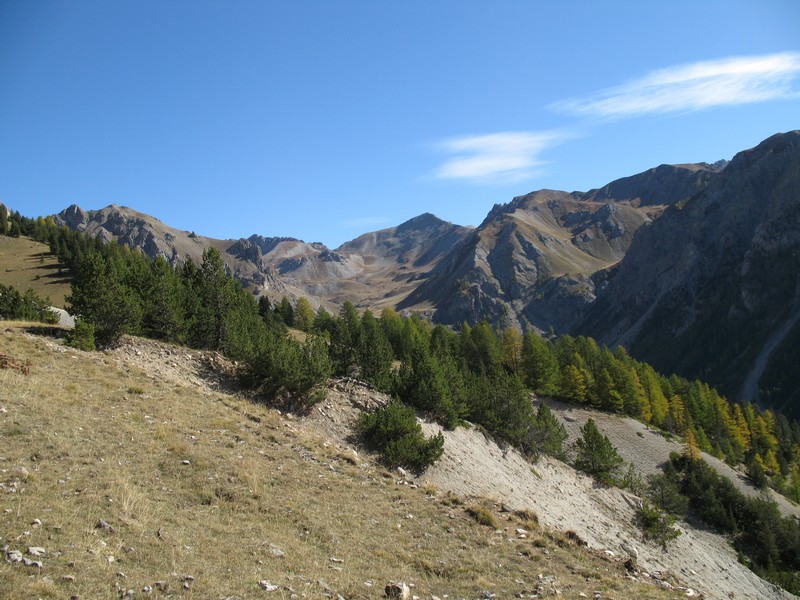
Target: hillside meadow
[
  {"x": 25, "y": 263},
  {"x": 122, "y": 474}
]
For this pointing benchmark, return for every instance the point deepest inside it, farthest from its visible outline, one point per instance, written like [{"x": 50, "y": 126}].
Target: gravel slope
[
  {"x": 648, "y": 450},
  {"x": 563, "y": 499}
]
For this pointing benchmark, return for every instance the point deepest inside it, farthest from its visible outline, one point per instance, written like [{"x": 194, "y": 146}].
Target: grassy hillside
[
  {"x": 142, "y": 469},
  {"x": 25, "y": 264}
]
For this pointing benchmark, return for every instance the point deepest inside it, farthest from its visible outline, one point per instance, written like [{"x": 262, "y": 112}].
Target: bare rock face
[
  {"x": 712, "y": 288},
  {"x": 537, "y": 261},
  {"x": 73, "y": 217},
  {"x": 136, "y": 230}
]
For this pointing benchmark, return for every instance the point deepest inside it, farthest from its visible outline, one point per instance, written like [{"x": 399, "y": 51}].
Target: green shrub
[
  {"x": 483, "y": 515},
  {"x": 546, "y": 435},
  {"x": 82, "y": 337},
  {"x": 283, "y": 362},
  {"x": 657, "y": 525},
  {"x": 596, "y": 455},
  {"x": 665, "y": 493},
  {"x": 25, "y": 307},
  {"x": 394, "y": 432}
]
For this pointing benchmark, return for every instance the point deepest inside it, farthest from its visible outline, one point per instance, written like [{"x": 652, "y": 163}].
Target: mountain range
[{"x": 692, "y": 267}]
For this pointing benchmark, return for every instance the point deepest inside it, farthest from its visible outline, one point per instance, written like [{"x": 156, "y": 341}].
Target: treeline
[
  {"x": 476, "y": 374},
  {"x": 449, "y": 376}
]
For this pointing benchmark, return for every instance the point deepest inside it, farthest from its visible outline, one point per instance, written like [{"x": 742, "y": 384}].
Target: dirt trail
[{"x": 749, "y": 391}]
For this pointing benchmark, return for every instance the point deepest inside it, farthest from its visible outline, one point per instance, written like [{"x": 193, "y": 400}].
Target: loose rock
[
  {"x": 267, "y": 586},
  {"x": 14, "y": 556},
  {"x": 397, "y": 590}
]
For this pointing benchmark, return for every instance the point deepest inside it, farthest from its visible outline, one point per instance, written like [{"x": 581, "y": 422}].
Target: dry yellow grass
[
  {"x": 203, "y": 491},
  {"x": 25, "y": 264}
]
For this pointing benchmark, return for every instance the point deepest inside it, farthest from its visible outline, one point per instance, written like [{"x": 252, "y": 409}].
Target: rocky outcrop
[
  {"x": 661, "y": 186},
  {"x": 377, "y": 269},
  {"x": 537, "y": 262},
  {"x": 137, "y": 231}
]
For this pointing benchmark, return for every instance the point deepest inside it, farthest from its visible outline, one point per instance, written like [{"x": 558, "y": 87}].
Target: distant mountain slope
[
  {"x": 532, "y": 261},
  {"x": 377, "y": 269},
  {"x": 712, "y": 288}
]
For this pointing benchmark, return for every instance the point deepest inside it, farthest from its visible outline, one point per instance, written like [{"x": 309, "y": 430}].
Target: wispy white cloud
[
  {"x": 503, "y": 157},
  {"x": 697, "y": 86},
  {"x": 363, "y": 222}
]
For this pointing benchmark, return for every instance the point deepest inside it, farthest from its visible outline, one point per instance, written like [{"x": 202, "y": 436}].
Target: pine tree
[
  {"x": 547, "y": 436},
  {"x": 422, "y": 383},
  {"x": 691, "y": 450},
  {"x": 666, "y": 494},
  {"x": 283, "y": 362},
  {"x": 539, "y": 365},
  {"x": 512, "y": 350},
  {"x": 100, "y": 297},
  {"x": 607, "y": 397},
  {"x": 677, "y": 414},
  {"x": 323, "y": 322},
  {"x": 216, "y": 295},
  {"x": 659, "y": 405},
  {"x": 163, "y": 311},
  {"x": 392, "y": 325},
  {"x": 573, "y": 384},
  {"x": 596, "y": 455},
  {"x": 485, "y": 356},
  {"x": 771, "y": 466},
  {"x": 346, "y": 339},
  {"x": 374, "y": 353},
  {"x": 286, "y": 312},
  {"x": 303, "y": 314}
]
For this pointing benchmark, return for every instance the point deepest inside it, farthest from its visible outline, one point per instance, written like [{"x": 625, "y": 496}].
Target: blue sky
[{"x": 326, "y": 119}]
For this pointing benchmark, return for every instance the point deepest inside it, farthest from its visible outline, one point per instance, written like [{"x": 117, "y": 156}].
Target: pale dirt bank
[{"x": 473, "y": 465}]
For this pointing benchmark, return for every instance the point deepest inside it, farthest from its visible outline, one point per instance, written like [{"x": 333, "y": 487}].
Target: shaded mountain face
[
  {"x": 538, "y": 262},
  {"x": 712, "y": 288}
]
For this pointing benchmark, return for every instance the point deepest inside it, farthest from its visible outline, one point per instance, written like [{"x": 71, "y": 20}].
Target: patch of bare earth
[
  {"x": 648, "y": 449},
  {"x": 475, "y": 466}
]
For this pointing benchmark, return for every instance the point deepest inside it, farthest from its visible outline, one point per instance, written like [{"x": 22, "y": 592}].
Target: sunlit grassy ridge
[
  {"x": 200, "y": 489},
  {"x": 29, "y": 264}
]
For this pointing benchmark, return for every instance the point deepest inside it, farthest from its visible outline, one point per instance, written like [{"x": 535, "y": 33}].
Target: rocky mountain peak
[
  {"x": 421, "y": 222},
  {"x": 720, "y": 246},
  {"x": 73, "y": 217}
]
